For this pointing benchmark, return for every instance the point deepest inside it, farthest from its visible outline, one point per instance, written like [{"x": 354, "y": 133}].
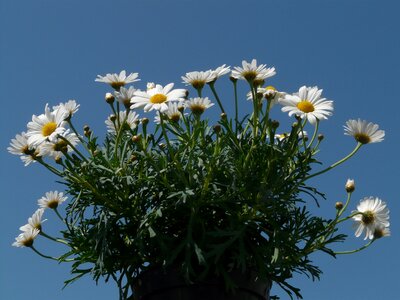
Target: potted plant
[{"x": 187, "y": 208}]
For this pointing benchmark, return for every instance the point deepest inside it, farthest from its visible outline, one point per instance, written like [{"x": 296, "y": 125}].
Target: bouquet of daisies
[{"x": 207, "y": 197}]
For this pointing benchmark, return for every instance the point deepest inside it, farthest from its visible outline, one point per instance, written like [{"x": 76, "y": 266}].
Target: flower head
[
  {"x": 197, "y": 79},
  {"x": 118, "y": 80},
  {"x": 173, "y": 113},
  {"x": 220, "y": 71},
  {"x": 70, "y": 108},
  {"x": 157, "y": 97},
  {"x": 26, "y": 238},
  {"x": 307, "y": 103},
  {"x": 252, "y": 72},
  {"x": 373, "y": 214},
  {"x": 59, "y": 146},
  {"x": 51, "y": 200},
  {"x": 47, "y": 126},
  {"x": 34, "y": 222},
  {"x": 364, "y": 132},
  {"x": 130, "y": 121},
  {"x": 350, "y": 186},
  {"x": 125, "y": 95},
  {"x": 198, "y": 105}
]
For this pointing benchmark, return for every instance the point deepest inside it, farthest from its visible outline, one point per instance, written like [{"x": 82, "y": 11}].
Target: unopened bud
[
  {"x": 58, "y": 160},
  {"x": 217, "y": 128},
  {"x": 113, "y": 118},
  {"x": 110, "y": 98},
  {"x": 88, "y": 133},
  {"x": 133, "y": 158},
  {"x": 161, "y": 145},
  {"x": 350, "y": 186},
  {"x": 145, "y": 121},
  {"x": 86, "y": 128},
  {"x": 233, "y": 79},
  {"x": 181, "y": 108},
  {"x": 320, "y": 137},
  {"x": 136, "y": 138},
  {"x": 223, "y": 116},
  {"x": 295, "y": 124},
  {"x": 274, "y": 124},
  {"x": 339, "y": 205}
]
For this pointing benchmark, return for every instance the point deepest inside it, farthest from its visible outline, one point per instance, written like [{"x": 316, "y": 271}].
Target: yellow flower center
[
  {"x": 305, "y": 106},
  {"x": 198, "y": 84},
  {"x": 158, "y": 98},
  {"x": 270, "y": 87},
  {"x": 197, "y": 109},
  {"x": 368, "y": 217},
  {"x": 249, "y": 75},
  {"x": 49, "y": 128},
  {"x": 362, "y": 138},
  {"x": 117, "y": 84}
]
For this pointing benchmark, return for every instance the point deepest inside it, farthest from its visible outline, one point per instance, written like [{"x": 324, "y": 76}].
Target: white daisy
[
  {"x": 157, "y": 97},
  {"x": 51, "y": 200},
  {"x": 20, "y": 146},
  {"x": 59, "y": 146},
  {"x": 220, "y": 71},
  {"x": 381, "y": 232},
  {"x": 124, "y": 95},
  {"x": 374, "y": 214},
  {"x": 118, "y": 80},
  {"x": 173, "y": 113},
  {"x": 70, "y": 108},
  {"x": 26, "y": 238},
  {"x": 34, "y": 222},
  {"x": 46, "y": 126},
  {"x": 364, "y": 132},
  {"x": 198, "y": 105},
  {"x": 197, "y": 79},
  {"x": 252, "y": 72},
  {"x": 131, "y": 121},
  {"x": 28, "y": 159},
  {"x": 307, "y": 103}
]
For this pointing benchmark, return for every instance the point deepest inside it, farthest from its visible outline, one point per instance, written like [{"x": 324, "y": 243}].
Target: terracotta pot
[{"x": 159, "y": 284}]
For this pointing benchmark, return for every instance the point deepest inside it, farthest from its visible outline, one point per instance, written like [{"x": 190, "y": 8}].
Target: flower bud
[
  {"x": 274, "y": 124},
  {"x": 110, "y": 98},
  {"x": 350, "y": 186},
  {"x": 217, "y": 128},
  {"x": 113, "y": 118},
  {"x": 181, "y": 108},
  {"x": 88, "y": 133},
  {"x": 136, "y": 138},
  {"x": 320, "y": 137},
  {"x": 86, "y": 128},
  {"x": 58, "y": 160},
  {"x": 233, "y": 79},
  {"x": 223, "y": 116},
  {"x": 145, "y": 121},
  {"x": 339, "y": 205}
]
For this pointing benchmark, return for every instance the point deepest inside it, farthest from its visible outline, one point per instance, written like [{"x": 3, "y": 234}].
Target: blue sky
[{"x": 51, "y": 51}]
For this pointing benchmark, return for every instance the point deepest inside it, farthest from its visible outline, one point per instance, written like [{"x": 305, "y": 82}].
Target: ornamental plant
[{"x": 206, "y": 197}]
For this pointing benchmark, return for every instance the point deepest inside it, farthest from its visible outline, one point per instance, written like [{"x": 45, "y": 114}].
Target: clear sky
[{"x": 52, "y": 50}]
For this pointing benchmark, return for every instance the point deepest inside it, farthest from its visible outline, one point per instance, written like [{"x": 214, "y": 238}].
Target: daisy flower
[
  {"x": 307, "y": 103},
  {"x": 20, "y": 146},
  {"x": 26, "y": 238},
  {"x": 125, "y": 95},
  {"x": 59, "y": 146},
  {"x": 157, "y": 97},
  {"x": 364, "y": 132},
  {"x": 46, "y": 126},
  {"x": 197, "y": 79},
  {"x": 220, "y": 71},
  {"x": 373, "y": 215},
  {"x": 70, "y": 108},
  {"x": 131, "y": 121},
  {"x": 173, "y": 113},
  {"x": 269, "y": 93},
  {"x": 381, "y": 232},
  {"x": 118, "y": 80},
  {"x": 252, "y": 72},
  {"x": 34, "y": 222},
  {"x": 51, "y": 200},
  {"x": 198, "y": 105}
]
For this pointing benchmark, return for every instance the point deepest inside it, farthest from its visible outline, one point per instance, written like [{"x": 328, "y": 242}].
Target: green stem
[
  {"x": 73, "y": 147},
  {"x": 42, "y": 255},
  {"x": 53, "y": 239},
  {"x": 356, "y": 250},
  {"x": 236, "y": 106},
  {"x": 211, "y": 84},
  {"x": 336, "y": 163},
  {"x": 58, "y": 214},
  {"x": 50, "y": 168},
  {"x": 314, "y": 134}
]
